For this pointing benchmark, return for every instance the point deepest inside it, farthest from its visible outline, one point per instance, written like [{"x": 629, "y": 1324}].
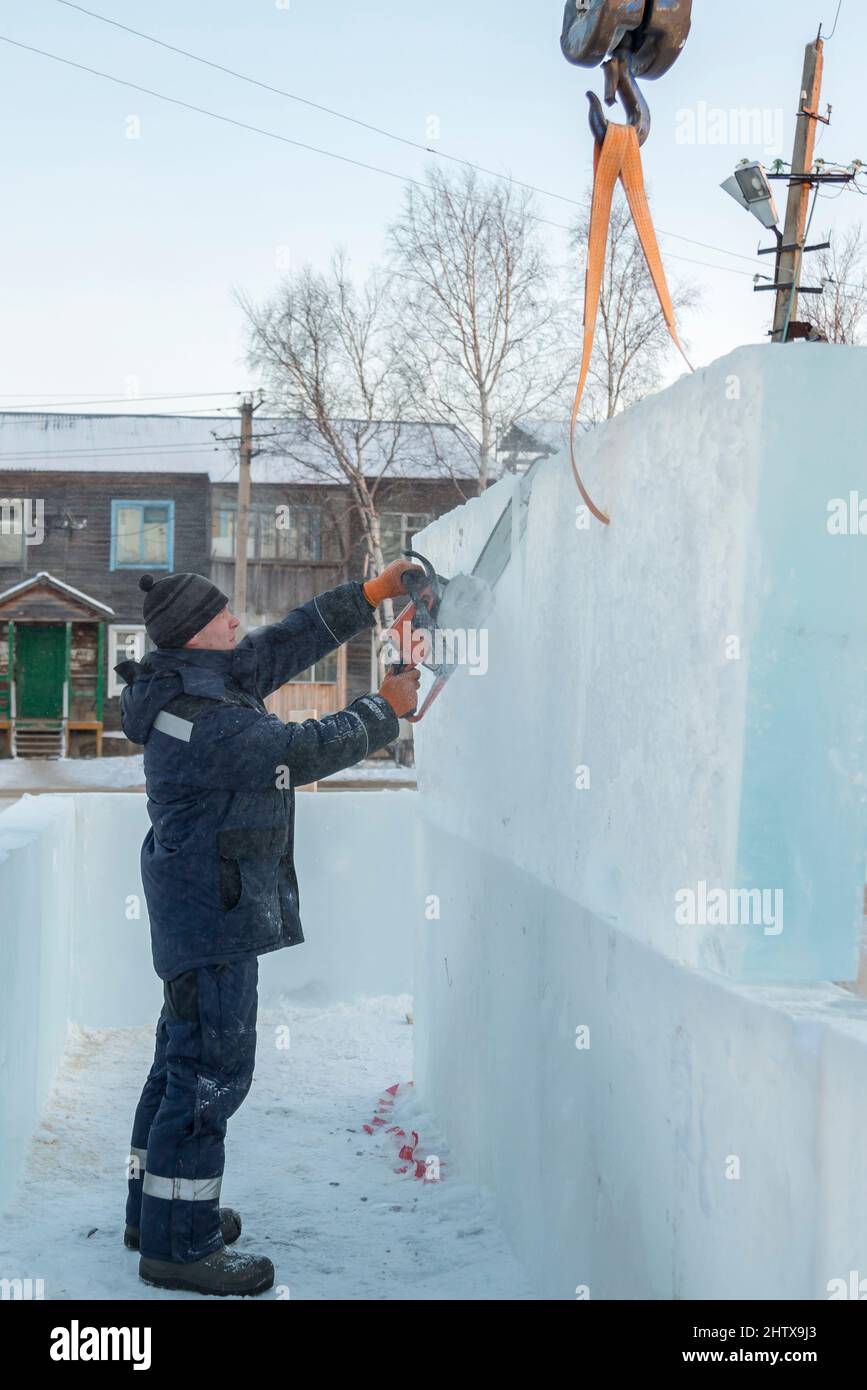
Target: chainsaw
[{"x": 424, "y": 632}]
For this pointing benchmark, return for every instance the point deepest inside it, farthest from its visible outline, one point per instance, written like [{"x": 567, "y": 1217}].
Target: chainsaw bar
[{"x": 492, "y": 563}]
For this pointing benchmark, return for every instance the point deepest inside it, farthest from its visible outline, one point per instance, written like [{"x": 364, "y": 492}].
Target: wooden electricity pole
[
  {"x": 792, "y": 259},
  {"x": 245, "y": 455}
]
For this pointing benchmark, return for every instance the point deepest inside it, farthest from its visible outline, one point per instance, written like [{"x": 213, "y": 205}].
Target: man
[{"x": 219, "y": 879}]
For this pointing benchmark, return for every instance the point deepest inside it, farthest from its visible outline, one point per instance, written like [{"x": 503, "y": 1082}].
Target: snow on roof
[
  {"x": 43, "y": 577},
  {"x": 34, "y": 442},
  {"x": 549, "y": 434}
]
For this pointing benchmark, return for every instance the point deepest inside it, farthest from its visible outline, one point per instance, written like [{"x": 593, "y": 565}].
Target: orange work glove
[
  {"x": 401, "y": 691},
  {"x": 387, "y": 584}
]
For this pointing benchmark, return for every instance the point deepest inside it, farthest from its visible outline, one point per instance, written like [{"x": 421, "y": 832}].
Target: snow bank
[
  {"x": 127, "y": 773},
  {"x": 26, "y": 774},
  {"x": 37, "y": 859},
  {"x": 674, "y": 707},
  {"x": 75, "y": 936}
]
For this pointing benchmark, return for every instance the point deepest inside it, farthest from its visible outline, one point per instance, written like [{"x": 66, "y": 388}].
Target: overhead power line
[
  {"x": 281, "y": 91},
  {"x": 315, "y": 105},
  {"x": 203, "y": 111},
  {"x": 329, "y": 154},
  {"x": 92, "y": 396},
  {"x": 107, "y": 452},
  {"x": 115, "y": 400},
  {"x": 364, "y": 125},
  {"x": 829, "y": 37}
]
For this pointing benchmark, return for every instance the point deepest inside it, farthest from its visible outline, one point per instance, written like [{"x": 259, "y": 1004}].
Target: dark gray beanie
[{"x": 179, "y": 606}]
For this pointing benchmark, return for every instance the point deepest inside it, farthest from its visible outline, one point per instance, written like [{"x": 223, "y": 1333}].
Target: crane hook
[{"x": 620, "y": 82}]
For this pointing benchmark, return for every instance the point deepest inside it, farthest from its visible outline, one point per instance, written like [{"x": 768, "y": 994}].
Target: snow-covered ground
[
  {"x": 37, "y": 774},
  {"x": 127, "y": 773},
  {"x": 317, "y": 1193}
]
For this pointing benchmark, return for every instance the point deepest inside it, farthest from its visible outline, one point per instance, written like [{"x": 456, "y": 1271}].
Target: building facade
[{"x": 90, "y": 503}]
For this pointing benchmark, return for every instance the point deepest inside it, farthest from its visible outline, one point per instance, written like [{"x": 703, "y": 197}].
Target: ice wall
[
  {"x": 37, "y": 859},
  {"x": 74, "y": 933},
  {"x": 352, "y": 947},
  {"x": 679, "y": 698},
  {"x": 674, "y": 701}
]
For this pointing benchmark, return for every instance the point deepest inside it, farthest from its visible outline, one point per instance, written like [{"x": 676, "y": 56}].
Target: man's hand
[
  {"x": 401, "y": 691},
  {"x": 388, "y": 583}
]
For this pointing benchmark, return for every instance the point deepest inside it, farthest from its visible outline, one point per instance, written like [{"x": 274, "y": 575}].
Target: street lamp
[{"x": 750, "y": 188}]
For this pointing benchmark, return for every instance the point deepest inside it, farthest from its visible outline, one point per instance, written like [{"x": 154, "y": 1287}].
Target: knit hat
[{"x": 179, "y": 606}]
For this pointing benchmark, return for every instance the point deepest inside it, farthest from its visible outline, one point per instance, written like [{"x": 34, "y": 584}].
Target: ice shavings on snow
[{"x": 314, "y": 1193}]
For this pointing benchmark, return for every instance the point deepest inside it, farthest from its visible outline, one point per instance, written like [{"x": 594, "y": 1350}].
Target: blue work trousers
[{"x": 201, "y": 1072}]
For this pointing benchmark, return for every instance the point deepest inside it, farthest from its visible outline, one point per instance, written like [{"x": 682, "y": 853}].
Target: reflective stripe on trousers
[{"x": 184, "y": 1189}]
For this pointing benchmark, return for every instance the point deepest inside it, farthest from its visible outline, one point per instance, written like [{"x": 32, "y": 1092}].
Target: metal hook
[{"x": 620, "y": 82}]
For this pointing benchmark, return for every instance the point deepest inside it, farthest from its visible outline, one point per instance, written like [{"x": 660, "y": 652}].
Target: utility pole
[
  {"x": 241, "y": 518},
  {"x": 792, "y": 259}
]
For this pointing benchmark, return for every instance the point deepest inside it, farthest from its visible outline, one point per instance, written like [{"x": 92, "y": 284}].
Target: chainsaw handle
[
  {"x": 424, "y": 588},
  {"x": 419, "y": 587},
  {"x": 423, "y": 561},
  {"x": 434, "y": 587},
  {"x": 432, "y": 694},
  {"x": 402, "y": 627}
]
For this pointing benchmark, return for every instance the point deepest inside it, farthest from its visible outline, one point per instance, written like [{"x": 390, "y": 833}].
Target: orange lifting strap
[{"x": 619, "y": 156}]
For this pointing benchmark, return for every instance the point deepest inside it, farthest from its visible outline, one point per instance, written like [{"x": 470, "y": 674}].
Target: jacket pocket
[
  {"x": 249, "y": 860},
  {"x": 181, "y": 996},
  {"x": 230, "y": 882},
  {"x": 289, "y": 879}
]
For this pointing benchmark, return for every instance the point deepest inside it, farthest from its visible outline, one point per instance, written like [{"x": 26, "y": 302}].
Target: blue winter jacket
[{"x": 217, "y": 864}]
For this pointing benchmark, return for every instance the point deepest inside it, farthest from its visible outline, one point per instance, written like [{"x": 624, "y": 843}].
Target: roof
[
  {"x": 34, "y": 442},
  {"x": 43, "y": 577},
  {"x": 528, "y": 440}
]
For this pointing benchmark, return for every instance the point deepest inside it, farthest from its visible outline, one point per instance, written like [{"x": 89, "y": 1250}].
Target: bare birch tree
[
  {"x": 486, "y": 334},
  {"x": 840, "y": 312},
  {"x": 327, "y": 355},
  {"x": 632, "y": 340}
]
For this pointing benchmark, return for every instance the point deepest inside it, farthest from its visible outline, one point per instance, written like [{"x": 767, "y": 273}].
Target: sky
[{"x": 130, "y": 224}]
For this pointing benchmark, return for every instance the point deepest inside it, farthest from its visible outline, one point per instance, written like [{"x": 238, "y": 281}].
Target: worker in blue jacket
[{"x": 220, "y": 883}]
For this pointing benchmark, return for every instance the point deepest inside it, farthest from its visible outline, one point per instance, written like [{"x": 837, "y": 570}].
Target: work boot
[
  {"x": 230, "y": 1229},
  {"x": 223, "y": 1272}
]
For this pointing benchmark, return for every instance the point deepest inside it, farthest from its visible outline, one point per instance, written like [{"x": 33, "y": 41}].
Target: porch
[{"x": 52, "y": 663}]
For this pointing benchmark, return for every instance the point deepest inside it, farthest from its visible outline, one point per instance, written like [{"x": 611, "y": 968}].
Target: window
[
  {"x": 396, "y": 530},
  {"x": 142, "y": 535},
  {"x": 124, "y": 644},
  {"x": 223, "y": 534},
  {"x": 298, "y": 532},
  {"x": 273, "y": 533},
  {"x": 11, "y": 545},
  {"x": 15, "y": 526}
]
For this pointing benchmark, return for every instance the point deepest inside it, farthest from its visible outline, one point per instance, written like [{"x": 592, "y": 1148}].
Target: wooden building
[
  {"x": 88, "y": 503},
  {"x": 52, "y": 669}
]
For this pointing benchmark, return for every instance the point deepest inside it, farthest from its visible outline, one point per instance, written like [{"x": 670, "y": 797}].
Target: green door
[{"x": 40, "y": 655}]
